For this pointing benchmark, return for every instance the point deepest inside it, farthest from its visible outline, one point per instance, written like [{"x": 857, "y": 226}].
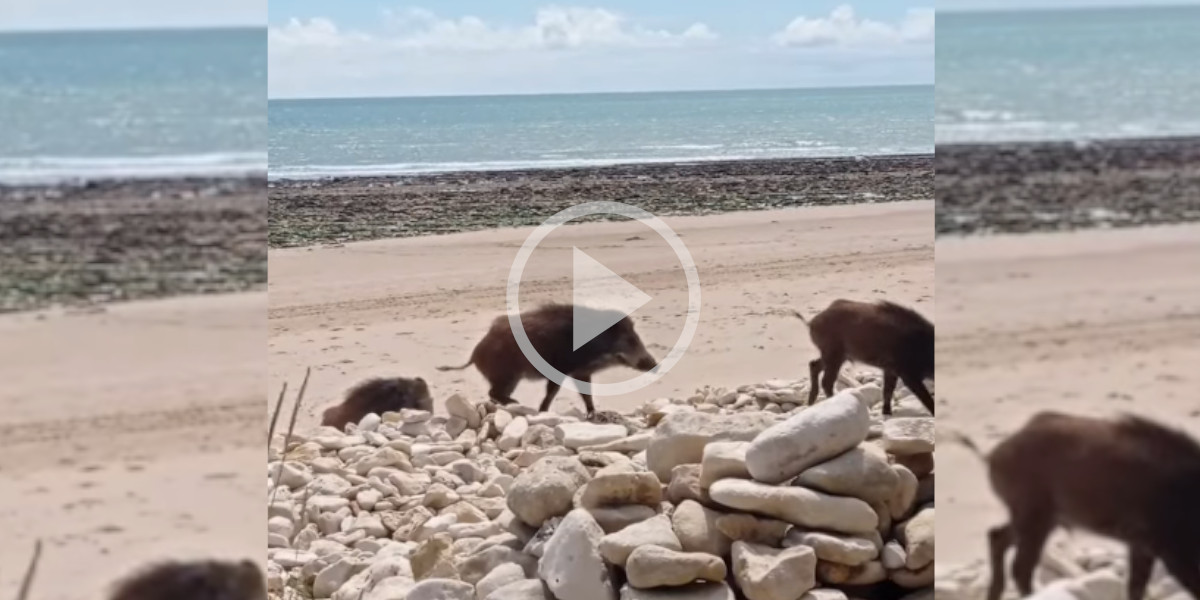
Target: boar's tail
[
  {"x": 962, "y": 438},
  {"x": 458, "y": 368},
  {"x": 800, "y": 316}
]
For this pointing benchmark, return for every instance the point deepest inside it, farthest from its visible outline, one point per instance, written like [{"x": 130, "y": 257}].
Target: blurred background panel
[
  {"x": 132, "y": 286},
  {"x": 1068, "y": 250}
]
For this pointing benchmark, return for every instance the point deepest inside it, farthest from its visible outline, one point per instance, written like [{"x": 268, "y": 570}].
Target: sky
[
  {"x": 22, "y": 15},
  {"x": 355, "y": 48}
]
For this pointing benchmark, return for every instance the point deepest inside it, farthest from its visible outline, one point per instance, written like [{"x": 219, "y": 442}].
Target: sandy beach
[
  {"x": 1093, "y": 322},
  {"x": 131, "y": 434},
  {"x": 403, "y": 306}
]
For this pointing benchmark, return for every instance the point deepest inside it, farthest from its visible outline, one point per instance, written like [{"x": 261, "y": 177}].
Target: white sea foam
[
  {"x": 56, "y": 169},
  {"x": 305, "y": 172}
]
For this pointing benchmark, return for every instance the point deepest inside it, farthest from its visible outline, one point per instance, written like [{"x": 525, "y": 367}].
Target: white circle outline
[{"x": 539, "y": 234}]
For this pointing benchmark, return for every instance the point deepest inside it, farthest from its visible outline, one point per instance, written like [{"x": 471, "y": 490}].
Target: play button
[
  {"x": 608, "y": 296},
  {"x": 595, "y": 286}
]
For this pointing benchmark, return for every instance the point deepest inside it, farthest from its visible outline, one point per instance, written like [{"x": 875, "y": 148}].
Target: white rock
[
  {"x": 808, "y": 438},
  {"x": 511, "y": 436},
  {"x": 391, "y": 588},
  {"x": 572, "y": 566},
  {"x": 369, "y": 422},
  {"x": 622, "y": 489},
  {"x": 797, "y": 505},
  {"x": 655, "y": 531},
  {"x": 546, "y": 489},
  {"x": 765, "y": 573},
  {"x": 528, "y": 589},
  {"x": 722, "y": 460},
  {"x": 498, "y": 578},
  {"x": 862, "y": 472},
  {"x": 917, "y": 535},
  {"x": 696, "y": 527},
  {"x": 893, "y": 556},
  {"x": 626, "y": 445},
  {"x": 652, "y": 566},
  {"x": 335, "y": 575},
  {"x": 910, "y": 435},
  {"x": 905, "y": 494},
  {"x": 680, "y": 437},
  {"x": 578, "y": 435},
  {"x": 441, "y": 589},
  {"x": 694, "y": 591},
  {"x": 852, "y": 551},
  {"x": 458, "y": 405}
]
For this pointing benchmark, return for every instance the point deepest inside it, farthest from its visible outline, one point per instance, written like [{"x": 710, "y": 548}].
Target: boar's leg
[
  {"x": 1032, "y": 529},
  {"x": 551, "y": 392},
  {"x": 1000, "y": 539},
  {"x": 814, "y": 373},
  {"x": 501, "y": 391},
  {"x": 1141, "y": 563},
  {"x": 917, "y": 386},
  {"x": 587, "y": 398},
  {"x": 833, "y": 366},
  {"x": 889, "y": 390}
]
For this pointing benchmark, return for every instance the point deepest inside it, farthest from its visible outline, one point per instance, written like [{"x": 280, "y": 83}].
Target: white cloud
[
  {"x": 553, "y": 28},
  {"x": 844, "y": 28},
  {"x": 557, "y": 49}
]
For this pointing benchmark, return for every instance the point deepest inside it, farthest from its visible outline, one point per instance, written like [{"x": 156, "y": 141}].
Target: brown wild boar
[
  {"x": 1128, "y": 479},
  {"x": 379, "y": 395},
  {"x": 549, "y": 328},
  {"x": 194, "y": 580},
  {"x": 890, "y": 337}
]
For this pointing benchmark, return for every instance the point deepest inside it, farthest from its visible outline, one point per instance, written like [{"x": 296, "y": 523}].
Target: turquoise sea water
[
  {"x": 1062, "y": 75},
  {"x": 317, "y": 138},
  {"x": 132, "y": 103}
]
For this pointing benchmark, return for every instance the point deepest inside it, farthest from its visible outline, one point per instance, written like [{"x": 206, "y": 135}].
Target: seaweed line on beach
[
  {"x": 1064, "y": 186},
  {"x": 311, "y": 212},
  {"x": 104, "y": 241}
]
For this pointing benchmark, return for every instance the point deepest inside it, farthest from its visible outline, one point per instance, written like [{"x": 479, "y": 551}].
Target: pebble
[{"x": 651, "y": 566}]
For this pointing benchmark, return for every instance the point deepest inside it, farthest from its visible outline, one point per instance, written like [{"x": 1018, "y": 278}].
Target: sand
[
  {"x": 1092, "y": 322},
  {"x": 130, "y": 434},
  {"x": 400, "y": 307}
]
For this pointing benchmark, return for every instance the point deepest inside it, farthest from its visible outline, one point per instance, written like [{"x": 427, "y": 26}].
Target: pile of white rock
[
  {"x": 728, "y": 494},
  {"x": 1067, "y": 571}
]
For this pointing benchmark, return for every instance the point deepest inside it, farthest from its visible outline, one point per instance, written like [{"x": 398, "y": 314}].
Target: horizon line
[
  {"x": 614, "y": 92},
  {"x": 1133, "y": 5}
]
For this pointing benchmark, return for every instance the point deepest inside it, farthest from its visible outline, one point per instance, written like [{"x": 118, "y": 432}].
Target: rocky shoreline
[
  {"x": 1063, "y": 186},
  {"x": 727, "y": 494},
  {"x": 304, "y": 213},
  {"x": 103, "y": 241}
]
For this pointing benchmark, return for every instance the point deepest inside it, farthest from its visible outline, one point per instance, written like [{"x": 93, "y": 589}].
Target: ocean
[
  {"x": 94, "y": 105},
  {"x": 1068, "y": 74},
  {"x": 385, "y": 136}
]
